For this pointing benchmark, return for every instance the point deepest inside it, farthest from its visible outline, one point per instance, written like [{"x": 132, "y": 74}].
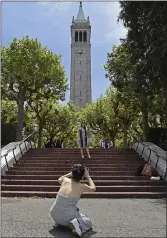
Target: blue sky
[{"x": 50, "y": 23}]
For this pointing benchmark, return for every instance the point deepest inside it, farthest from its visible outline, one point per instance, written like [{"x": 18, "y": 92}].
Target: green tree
[
  {"x": 126, "y": 111},
  {"x": 62, "y": 124},
  {"x": 146, "y": 42},
  {"x": 125, "y": 76},
  {"x": 103, "y": 116},
  {"x": 28, "y": 69},
  {"x": 9, "y": 111},
  {"x": 42, "y": 109}
]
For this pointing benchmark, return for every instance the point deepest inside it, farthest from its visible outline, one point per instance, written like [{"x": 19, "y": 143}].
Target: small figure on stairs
[
  {"x": 106, "y": 144},
  {"x": 50, "y": 144},
  {"x": 64, "y": 211},
  {"x": 102, "y": 144},
  {"x": 83, "y": 140},
  {"x": 59, "y": 143}
]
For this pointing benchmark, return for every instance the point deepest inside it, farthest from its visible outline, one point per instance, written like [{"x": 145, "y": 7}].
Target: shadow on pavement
[
  {"x": 63, "y": 232},
  {"x": 160, "y": 201}
]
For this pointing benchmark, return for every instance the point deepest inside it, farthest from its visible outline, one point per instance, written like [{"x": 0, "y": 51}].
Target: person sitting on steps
[
  {"x": 59, "y": 143},
  {"x": 102, "y": 144},
  {"x": 64, "y": 210},
  {"x": 83, "y": 140},
  {"x": 50, "y": 144},
  {"x": 146, "y": 169}
]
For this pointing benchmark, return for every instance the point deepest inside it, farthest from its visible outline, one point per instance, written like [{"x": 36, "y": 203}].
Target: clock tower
[{"x": 80, "y": 78}]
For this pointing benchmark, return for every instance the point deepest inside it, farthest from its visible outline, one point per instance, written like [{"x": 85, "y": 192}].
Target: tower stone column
[{"x": 80, "y": 78}]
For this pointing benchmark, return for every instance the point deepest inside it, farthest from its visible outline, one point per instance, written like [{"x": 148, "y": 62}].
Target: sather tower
[{"x": 80, "y": 81}]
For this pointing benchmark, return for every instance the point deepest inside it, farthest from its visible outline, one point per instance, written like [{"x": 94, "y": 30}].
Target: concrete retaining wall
[
  {"x": 10, "y": 156},
  {"x": 162, "y": 164}
]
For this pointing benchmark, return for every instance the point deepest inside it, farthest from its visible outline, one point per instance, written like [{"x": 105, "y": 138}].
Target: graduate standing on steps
[{"x": 83, "y": 140}]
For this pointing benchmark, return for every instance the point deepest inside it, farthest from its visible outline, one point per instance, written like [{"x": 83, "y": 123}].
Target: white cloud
[
  {"x": 115, "y": 30},
  {"x": 103, "y": 15},
  {"x": 55, "y": 8}
]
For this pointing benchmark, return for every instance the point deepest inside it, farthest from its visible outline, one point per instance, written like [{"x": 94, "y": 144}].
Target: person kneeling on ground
[{"x": 64, "y": 210}]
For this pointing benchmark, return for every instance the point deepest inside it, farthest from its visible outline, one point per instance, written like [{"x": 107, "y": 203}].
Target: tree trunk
[
  {"x": 166, "y": 111},
  {"x": 165, "y": 96},
  {"x": 125, "y": 134},
  {"x": 125, "y": 138},
  {"x": 144, "y": 110},
  {"x": 40, "y": 130},
  {"x": 20, "y": 105},
  {"x": 113, "y": 141},
  {"x": 164, "y": 82},
  {"x": 145, "y": 124}
]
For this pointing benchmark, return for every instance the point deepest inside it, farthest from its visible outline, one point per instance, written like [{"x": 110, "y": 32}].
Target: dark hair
[
  {"x": 83, "y": 125},
  {"x": 78, "y": 171}
]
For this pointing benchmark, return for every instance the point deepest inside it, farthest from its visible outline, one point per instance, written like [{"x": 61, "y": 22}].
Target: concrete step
[
  {"x": 55, "y": 177},
  {"x": 69, "y": 166},
  {"x": 117, "y": 155},
  {"x": 150, "y": 195},
  {"x": 91, "y": 167},
  {"x": 107, "y": 158},
  {"x": 55, "y": 188},
  {"x": 98, "y": 153},
  {"x": 64, "y": 150},
  {"x": 52, "y": 150},
  {"x": 77, "y": 153},
  {"x": 66, "y": 170},
  {"x": 92, "y": 173},
  {"x": 97, "y": 182},
  {"x": 93, "y": 155},
  {"x": 112, "y": 170},
  {"x": 71, "y": 162},
  {"x": 85, "y": 159}
]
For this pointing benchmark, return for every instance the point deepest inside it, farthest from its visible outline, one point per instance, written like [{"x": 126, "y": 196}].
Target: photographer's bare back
[
  {"x": 73, "y": 188},
  {"x": 64, "y": 210}
]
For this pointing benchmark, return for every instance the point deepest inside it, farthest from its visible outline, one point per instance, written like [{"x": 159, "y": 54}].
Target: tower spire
[{"x": 80, "y": 15}]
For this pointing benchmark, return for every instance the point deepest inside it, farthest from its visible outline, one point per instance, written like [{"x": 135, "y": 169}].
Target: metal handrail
[
  {"x": 151, "y": 150},
  {"x": 18, "y": 145}
]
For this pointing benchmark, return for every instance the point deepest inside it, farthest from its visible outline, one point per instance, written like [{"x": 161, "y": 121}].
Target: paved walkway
[{"x": 111, "y": 218}]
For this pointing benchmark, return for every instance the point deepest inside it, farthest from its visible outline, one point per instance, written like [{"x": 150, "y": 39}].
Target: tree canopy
[
  {"x": 28, "y": 69},
  {"x": 137, "y": 65}
]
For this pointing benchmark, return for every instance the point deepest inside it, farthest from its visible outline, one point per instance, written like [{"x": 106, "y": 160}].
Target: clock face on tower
[{"x": 80, "y": 54}]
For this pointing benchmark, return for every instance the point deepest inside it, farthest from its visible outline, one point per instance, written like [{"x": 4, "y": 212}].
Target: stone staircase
[{"x": 111, "y": 169}]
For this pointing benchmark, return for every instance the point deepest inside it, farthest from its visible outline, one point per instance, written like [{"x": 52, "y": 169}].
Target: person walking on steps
[
  {"x": 64, "y": 211},
  {"x": 83, "y": 140}
]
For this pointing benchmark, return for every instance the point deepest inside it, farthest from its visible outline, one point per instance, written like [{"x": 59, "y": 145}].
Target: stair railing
[
  {"x": 135, "y": 140},
  {"x": 28, "y": 139}
]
